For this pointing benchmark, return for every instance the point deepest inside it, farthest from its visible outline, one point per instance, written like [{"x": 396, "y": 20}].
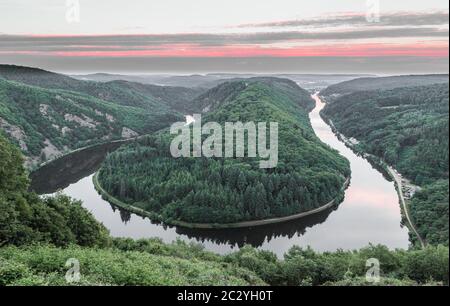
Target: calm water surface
[{"x": 370, "y": 212}]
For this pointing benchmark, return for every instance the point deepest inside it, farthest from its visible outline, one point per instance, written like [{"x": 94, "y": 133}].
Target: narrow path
[{"x": 398, "y": 181}]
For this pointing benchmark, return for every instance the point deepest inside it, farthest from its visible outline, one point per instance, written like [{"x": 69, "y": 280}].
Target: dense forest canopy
[
  {"x": 225, "y": 190},
  {"x": 408, "y": 128},
  {"x": 225, "y": 92}
]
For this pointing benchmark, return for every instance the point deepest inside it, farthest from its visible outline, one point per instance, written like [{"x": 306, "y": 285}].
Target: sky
[{"x": 199, "y": 36}]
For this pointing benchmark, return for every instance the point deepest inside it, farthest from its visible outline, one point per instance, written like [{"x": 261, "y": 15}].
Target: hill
[
  {"x": 382, "y": 83},
  {"x": 48, "y": 114},
  {"x": 47, "y": 122},
  {"x": 149, "y": 97},
  {"x": 225, "y": 190},
  {"x": 177, "y": 98},
  {"x": 227, "y": 91},
  {"x": 408, "y": 128}
]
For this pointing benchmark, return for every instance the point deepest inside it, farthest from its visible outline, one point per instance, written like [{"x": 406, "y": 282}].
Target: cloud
[
  {"x": 411, "y": 36},
  {"x": 61, "y": 43},
  {"x": 391, "y": 19},
  {"x": 383, "y": 65}
]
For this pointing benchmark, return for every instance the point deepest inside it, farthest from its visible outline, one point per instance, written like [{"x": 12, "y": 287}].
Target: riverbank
[
  {"x": 155, "y": 217},
  {"x": 387, "y": 169},
  {"x": 399, "y": 186}
]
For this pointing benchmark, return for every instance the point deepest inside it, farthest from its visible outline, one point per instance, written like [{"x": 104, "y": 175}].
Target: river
[{"x": 370, "y": 212}]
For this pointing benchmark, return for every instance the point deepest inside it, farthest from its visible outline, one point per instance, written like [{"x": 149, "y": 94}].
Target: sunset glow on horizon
[{"x": 236, "y": 29}]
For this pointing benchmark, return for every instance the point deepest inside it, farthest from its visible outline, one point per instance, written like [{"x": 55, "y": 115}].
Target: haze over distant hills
[
  {"x": 211, "y": 80},
  {"x": 390, "y": 82},
  {"x": 47, "y": 114}
]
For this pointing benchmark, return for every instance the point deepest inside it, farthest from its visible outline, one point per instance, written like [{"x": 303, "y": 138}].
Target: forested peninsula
[{"x": 309, "y": 173}]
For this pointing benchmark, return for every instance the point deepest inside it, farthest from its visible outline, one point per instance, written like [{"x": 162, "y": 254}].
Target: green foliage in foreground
[
  {"x": 45, "y": 265},
  {"x": 226, "y": 190},
  {"x": 60, "y": 221},
  {"x": 307, "y": 267},
  {"x": 26, "y": 218},
  {"x": 152, "y": 262}
]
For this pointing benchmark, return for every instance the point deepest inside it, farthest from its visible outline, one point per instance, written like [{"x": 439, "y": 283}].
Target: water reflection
[
  {"x": 69, "y": 169},
  {"x": 257, "y": 236}
]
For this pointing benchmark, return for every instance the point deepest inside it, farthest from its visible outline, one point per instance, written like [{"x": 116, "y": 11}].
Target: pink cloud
[{"x": 432, "y": 49}]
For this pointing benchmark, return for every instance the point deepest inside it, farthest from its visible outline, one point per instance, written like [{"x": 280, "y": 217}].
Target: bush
[
  {"x": 11, "y": 270},
  {"x": 46, "y": 265},
  {"x": 430, "y": 264}
]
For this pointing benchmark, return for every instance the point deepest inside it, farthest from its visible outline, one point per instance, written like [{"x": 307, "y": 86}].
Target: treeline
[
  {"x": 225, "y": 190},
  {"x": 408, "y": 128},
  {"x": 210, "y": 190}
]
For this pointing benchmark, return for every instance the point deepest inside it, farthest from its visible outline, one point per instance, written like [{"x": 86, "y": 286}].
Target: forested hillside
[
  {"x": 38, "y": 236},
  {"x": 177, "y": 98},
  {"x": 229, "y": 90},
  {"x": 46, "y": 122},
  {"x": 225, "y": 190},
  {"x": 372, "y": 83},
  {"x": 149, "y": 97},
  {"x": 408, "y": 128},
  {"x": 47, "y": 113}
]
